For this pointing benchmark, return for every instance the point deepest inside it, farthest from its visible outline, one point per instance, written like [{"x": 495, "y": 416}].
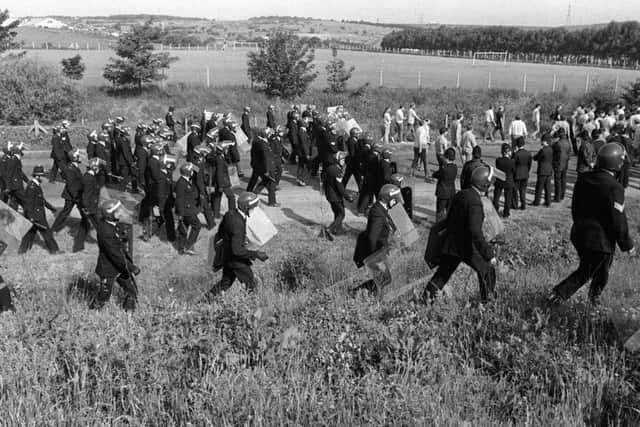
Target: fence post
[
  {"x": 458, "y": 80},
  {"x": 87, "y": 46},
  {"x": 419, "y": 80},
  {"x": 381, "y": 77},
  {"x": 208, "y": 78},
  {"x": 553, "y": 86},
  {"x": 586, "y": 84},
  {"x": 524, "y": 83},
  {"x": 99, "y": 46},
  {"x": 489, "y": 81},
  {"x": 615, "y": 90}
]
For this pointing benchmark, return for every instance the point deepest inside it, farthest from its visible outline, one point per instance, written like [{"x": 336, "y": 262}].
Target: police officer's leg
[
  {"x": 338, "y": 216},
  {"x": 547, "y": 190},
  {"x": 539, "y": 188},
  {"x": 228, "y": 277},
  {"x": 563, "y": 183},
  {"x": 486, "y": 274},
  {"x": 27, "y": 240},
  {"x": 130, "y": 290},
  {"x": 497, "y": 193},
  {"x": 103, "y": 294},
  {"x": 448, "y": 265},
  {"x": 441, "y": 209},
  {"x": 271, "y": 190},
  {"x": 589, "y": 262},
  {"x": 253, "y": 181},
  {"x": 193, "y": 223},
  {"x": 78, "y": 242},
  {"x": 508, "y": 194},
  {"x": 169, "y": 221},
  {"x": 523, "y": 193},
  {"x": 245, "y": 275},
  {"x": 58, "y": 224},
  {"x": 5, "y": 297},
  {"x": 556, "y": 185},
  {"x": 49, "y": 241},
  {"x": 600, "y": 276},
  {"x": 208, "y": 212}
]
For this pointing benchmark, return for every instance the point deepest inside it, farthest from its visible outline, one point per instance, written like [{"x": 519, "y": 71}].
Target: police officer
[
  {"x": 379, "y": 228},
  {"x": 544, "y": 157},
  {"x": 34, "y": 206},
  {"x": 114, "y": 262},
  {"x": 599, "y": 224},
  {"x": 227, "y": 133},
  {"x": 165, "y": 197},
  {"x": 351, "y": 162},
  {"x": 371, "y": 166},
  {"x": 303, "y": 152},
  {"x": 220, "y": 179},
  {"x": 193, "y": 140},
  {"x": 246, "y": 123},
  {"x": 262, "y": 167},
  {"x": 152, "y": 178},
  {"x": 92, "y": 141},
  {"x": 464, "y": 241},
  {"x": 59, "y": 150},
  {"x": 561, "y": 153},
  {"x": 170, "y": 122},
  {"x": 187, "y": 210},
  {"x": 275, "y": 142},
  {"x": 103, "y": 152},
  {"x": 13, "y": 176},
  {"x": 141, "y": 156},
  {"x": 126, "y": 161},
  {"x": 200, "y": 179},
  {"x": 72, "y": 191},
  {"x": 335, "y": 193},
  {"x": 508, "y": 166},
  {"x": 236, "y": 257},
  {"x": 89, "y": 202}
]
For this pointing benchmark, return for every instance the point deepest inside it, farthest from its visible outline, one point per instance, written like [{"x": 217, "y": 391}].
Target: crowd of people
[{"x": 606, "y": 144}]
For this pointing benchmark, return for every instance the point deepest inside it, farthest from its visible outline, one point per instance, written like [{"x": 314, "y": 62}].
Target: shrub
[
  {"x": 73, "y": 67},
  {"x": 338, "y": 74},
  {"x": 29, "y": 91}
]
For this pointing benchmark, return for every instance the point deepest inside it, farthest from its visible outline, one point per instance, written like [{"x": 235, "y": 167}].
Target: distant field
[
  {"x": 31, "y": 36},
  {"x": 230, "y": 68}
]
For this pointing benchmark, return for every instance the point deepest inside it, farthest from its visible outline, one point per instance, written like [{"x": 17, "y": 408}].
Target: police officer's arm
[
  {"x": 340, "y": 187},
  {"x": 476, "y": 217},
  {"x": 619, "y": 220}
]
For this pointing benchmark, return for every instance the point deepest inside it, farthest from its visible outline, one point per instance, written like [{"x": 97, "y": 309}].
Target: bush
[
  {"x": 73, "y": 67},
  {"x": 29, "y": 91}
]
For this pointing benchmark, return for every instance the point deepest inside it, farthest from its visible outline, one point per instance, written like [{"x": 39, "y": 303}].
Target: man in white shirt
[
  {"x": 399, "y": 120},
  {"x": 468, "y": 142},
  {"x": 412, "y": 116},
  {"x": 517, "y": 131},
  {"x": 535, "y": 118},
  {"x": 421, "y": 148},
  {"x": 489, "y": 123}
]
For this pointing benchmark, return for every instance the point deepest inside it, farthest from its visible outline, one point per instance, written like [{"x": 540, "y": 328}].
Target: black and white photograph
[{"x": 345, "y": 213}]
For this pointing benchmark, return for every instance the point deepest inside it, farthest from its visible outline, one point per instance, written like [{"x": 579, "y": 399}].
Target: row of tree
[{"x": 616, "y": 39}]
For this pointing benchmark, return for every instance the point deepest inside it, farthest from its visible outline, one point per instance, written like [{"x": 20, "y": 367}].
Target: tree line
[{"x": 615, "y": 40}]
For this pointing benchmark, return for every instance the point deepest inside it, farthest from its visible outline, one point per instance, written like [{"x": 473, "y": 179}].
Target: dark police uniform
[
  {"x": 445, "y": 188},
  {"x": 465, "y": 242},
  {"x": 544, "y": 157},
  {"x": 523, "y": 161},
  {"x": 261, "y": 164},
  {"x": 71, "y": 194},
  {"x": 166, "y": 203},
  {"x": 221, "y": 182},
  {"x": 561, "y": 154},
  {"x": 599, "y": 223},
  {"x": 351, "y": 162},
  {"x": 335, "y": 193},
  {"x": 13, "y": 178},
  {"x": 114, "y": 264},
  {"x": 34, "y": 206},
  {"x": 237, "y": 258},
  {"x": 90, "y": 196},
  {"x": 193, "y": 140},
  {"x": 187, "y": 208},
  {"x": 508, "y": 166}
]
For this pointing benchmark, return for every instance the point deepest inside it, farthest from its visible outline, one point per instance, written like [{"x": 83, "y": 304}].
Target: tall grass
[{"x": 299, "y": 351}]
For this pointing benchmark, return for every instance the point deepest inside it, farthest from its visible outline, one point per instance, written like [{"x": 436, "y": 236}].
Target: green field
[{"x": 399, "y": 71}]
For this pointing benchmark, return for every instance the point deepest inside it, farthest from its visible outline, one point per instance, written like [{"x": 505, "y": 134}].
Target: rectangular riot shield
[
  {"x": 260, "y": 229},
  {"x": 13, "y": 226},
  {"x": 404, "y": 227},
  {"x": 378, "y": 268}
]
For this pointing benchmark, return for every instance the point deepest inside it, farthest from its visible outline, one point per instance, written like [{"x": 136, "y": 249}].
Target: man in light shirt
[
  {"x": 535, "y": 118},
  {"x": 468, "y": 143},
  {"x": 411, "y": 120},
  {"x": 421, "y": 148},
  {"x": 489, "y": 123},
  {"x": 517, "y": 131},
  {"x": 399, "y": 120}
]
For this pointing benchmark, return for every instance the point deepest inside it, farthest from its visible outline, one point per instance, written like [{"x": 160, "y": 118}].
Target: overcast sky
[{"x": 485, "y": 12}]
